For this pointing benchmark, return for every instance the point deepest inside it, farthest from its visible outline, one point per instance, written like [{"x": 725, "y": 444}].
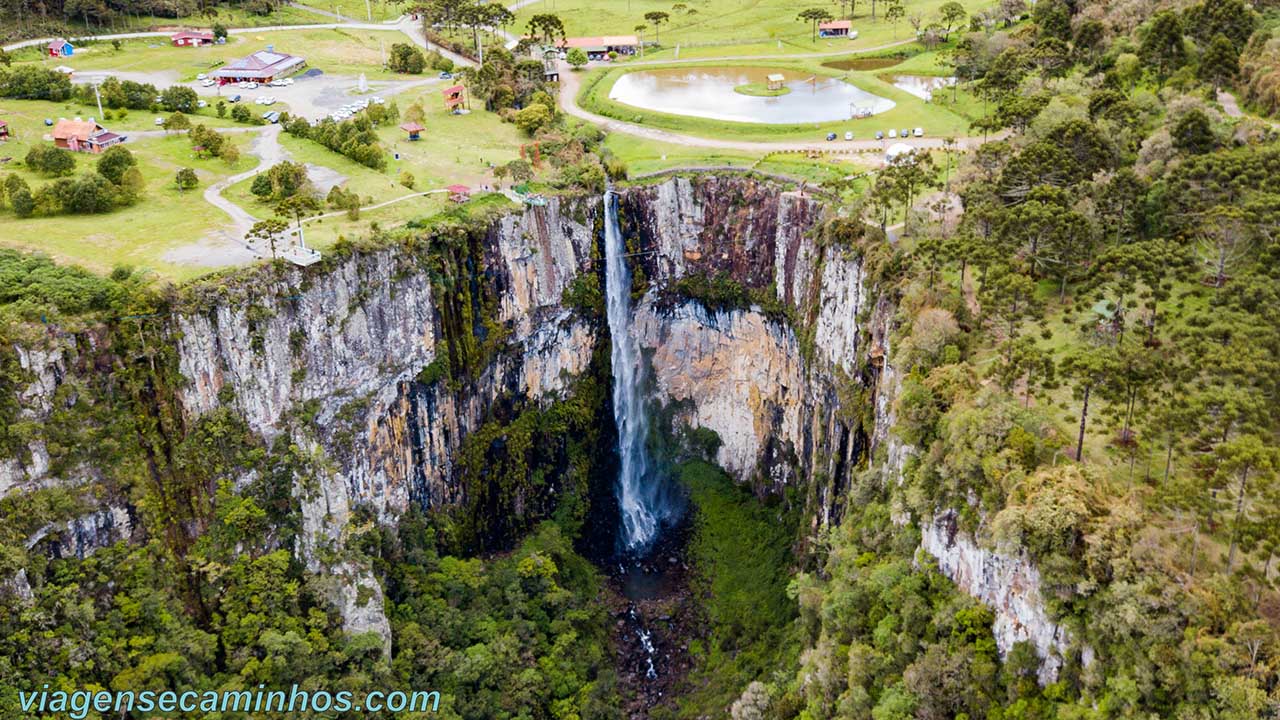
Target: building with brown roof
[
  {"x": 84, "y": 136},
  {"x": 598, "y": 48},
  {"x": 262, "y": 66},
  {"x": 192, "y": 38}
]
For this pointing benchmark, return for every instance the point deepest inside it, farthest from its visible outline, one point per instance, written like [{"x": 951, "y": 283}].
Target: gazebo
[
  {"x": 414, "y": 130},
  {"x": 454, "y": 97},
  {"x": 459, "y": 193},
  {"x": 776, "y": 80}
]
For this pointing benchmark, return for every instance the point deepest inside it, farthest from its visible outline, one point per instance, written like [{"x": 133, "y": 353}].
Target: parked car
[
  {"x": 919, "y": 132},
  {"x": 831, "y": 136},
  {"x": 904, "y": 133},
  {"x": 848, "y": 134},
  {"x": 201, "y": 76},
  {"x": 446, "y": 75},
  {"x": 234, "y": 98},
  {"x": 159, "y": 121},
  {"x": 201, "y": 104},
  {"x": 253, "y": 86},
  {"x": 893, "y": 134},
  {"x": 879, "y": 134}
]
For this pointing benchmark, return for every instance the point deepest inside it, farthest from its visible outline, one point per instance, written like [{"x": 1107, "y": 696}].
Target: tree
[
  {"x": 952, "y": 15},
  {"x": 1224, "y": 242},
  {"x": 298, "y": 206},
  {"x": 186, "y": 179},
  {"x": 1085, "y": 369},
  {"x": 113, "y": 163},
  {"x": 406, "y": 58},
  {"x": 50, "y": 161},
  {"x": 1220, "y": 61},
  {"x": 894, "y": 14},
  {"x": 576, "y": 58},
  {"x": 813, "y": 16},
  {"x": 1162, "y": 46},
  {"x": 177, "y": 121},
  {"x": 656, "y": 18},
  {"x": 1242, "y": 459},
  {"x": 219, "y": 31},
  {"x": 268, "y": 230},
  {"x": 531, "y": 118},
  {"x": 407, "y": 179},
  {"x": 547, "y": 27},
  {"x": 179, "y": 98},
  {"x": 1194, "y": 133}
]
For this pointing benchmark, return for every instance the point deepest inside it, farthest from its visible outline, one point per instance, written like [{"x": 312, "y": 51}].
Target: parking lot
[{"x": 313, "y": 94}]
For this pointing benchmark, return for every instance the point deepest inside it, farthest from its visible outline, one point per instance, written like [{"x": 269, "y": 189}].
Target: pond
[
  {"x": 922, "y": 86},
  {"x": 708, "y": 92}
]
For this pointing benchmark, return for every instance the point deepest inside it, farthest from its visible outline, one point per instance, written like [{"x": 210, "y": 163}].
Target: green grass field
[
  {"x": 143, "y": 235},
  {"x": 454, "y": 149},
  {"x": 715, "y": 28},
  {"x": 909, "y": 111},
  {"x": 645, "y": 157},
  {"x": 374, "y": 10},
  {"x": 339, "y": 51}
]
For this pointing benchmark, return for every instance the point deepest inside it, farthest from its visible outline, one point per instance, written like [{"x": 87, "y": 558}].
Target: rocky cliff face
[{"x": 337, "y": 361}]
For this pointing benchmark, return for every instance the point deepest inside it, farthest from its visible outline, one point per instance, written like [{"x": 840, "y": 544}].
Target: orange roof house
[
  {"x": 459, "y": 193},
  {"x": 84, "y": 136}
]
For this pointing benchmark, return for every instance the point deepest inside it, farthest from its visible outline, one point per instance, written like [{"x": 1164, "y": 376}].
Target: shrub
[{"x": 50, "y": 161}]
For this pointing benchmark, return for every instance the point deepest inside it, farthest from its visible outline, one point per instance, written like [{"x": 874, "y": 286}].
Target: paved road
[
  {"x": 405, "y": 25},
  {"x": 570, "y": 82}
]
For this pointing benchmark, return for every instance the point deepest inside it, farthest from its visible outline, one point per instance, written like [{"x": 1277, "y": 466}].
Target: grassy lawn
[
  {"x": 341, "y": 51},
  {"x": 142, "y": 235},
  {"x": 26, "y": 118},
  {"x": 909, "y": 111},
  {"x": 644, "y": 157},
  {"x": 454, "y": 149},
  {"x": 375, "y": 10},
  {"x": 730, "y": 27}
]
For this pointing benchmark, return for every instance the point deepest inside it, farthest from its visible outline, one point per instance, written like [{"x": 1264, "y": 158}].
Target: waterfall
[{"x": 638, "y": 494}]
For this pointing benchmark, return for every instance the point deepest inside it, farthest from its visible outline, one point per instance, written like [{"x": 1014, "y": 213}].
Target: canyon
[{"x": 378, "y": 365}]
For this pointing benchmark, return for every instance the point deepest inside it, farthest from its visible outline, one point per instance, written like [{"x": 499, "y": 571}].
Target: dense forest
[{"x": 1090, "y": 344}]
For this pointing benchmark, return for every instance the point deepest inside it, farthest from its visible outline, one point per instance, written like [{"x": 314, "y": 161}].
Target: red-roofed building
[
  {"x": 459, "y": 193},
  {"x": 61, "y": 48},
  {"x": 414, "y": 130},
  {"x": 454, "y": 97},
  {"x": 835, "y": 28},
  {"x": 4, "y": 130},
  {"x": 84, "y": 136},
  {"x": 598, "y": 48},
  {"x": 262, "y": 66},
  {"x": 192, "y": 38}
]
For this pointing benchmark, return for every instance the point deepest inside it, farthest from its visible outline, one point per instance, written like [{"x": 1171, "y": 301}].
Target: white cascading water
[{"x": 637, "y": 498}]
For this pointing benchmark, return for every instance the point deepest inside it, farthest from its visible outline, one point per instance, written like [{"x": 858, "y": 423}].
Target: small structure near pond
[
  {"x": 459, "y": 193},
  {"x": 775, "y": 81}
]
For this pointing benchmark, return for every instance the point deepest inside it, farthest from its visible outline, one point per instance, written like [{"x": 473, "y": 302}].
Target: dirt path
[
  {"x": 571, "y": 81},
  {"x": 1229, "y": 104},
  {"x": 269, "y": 151}
]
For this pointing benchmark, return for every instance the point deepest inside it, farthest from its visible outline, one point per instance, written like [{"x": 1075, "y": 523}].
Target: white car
[
  {"x": 202, "y": 104},
  {"x": 207, "y": 83},
  {"x": 243, "y": 84},
  {"x": 893, "y": 133},
  {"x": 159, "y": 121},
  {"x": 848, "y": 135},
  {"x": 377, "y": 100},
  {"x": 252, "y": 86},
  {"x": 919, "y": 132},
  {"x": 201, "y": 76}
]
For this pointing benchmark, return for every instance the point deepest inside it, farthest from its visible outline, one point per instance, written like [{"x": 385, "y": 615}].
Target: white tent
[{"x": 897, "y": 151}]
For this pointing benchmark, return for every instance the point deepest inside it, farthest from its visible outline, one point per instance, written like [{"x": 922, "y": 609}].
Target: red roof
[
  {"x": 836, "y": 25},
  {"x": 412, "y": 127},
  {"x": 458, "y": 189},
  {"x": 192, "y": 34},
  {"x": 453, "y": 90},
  {"x": 58, "y": 44}
]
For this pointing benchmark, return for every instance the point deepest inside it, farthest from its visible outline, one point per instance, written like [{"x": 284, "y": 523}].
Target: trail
[{"x": 269, "y": 151}]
